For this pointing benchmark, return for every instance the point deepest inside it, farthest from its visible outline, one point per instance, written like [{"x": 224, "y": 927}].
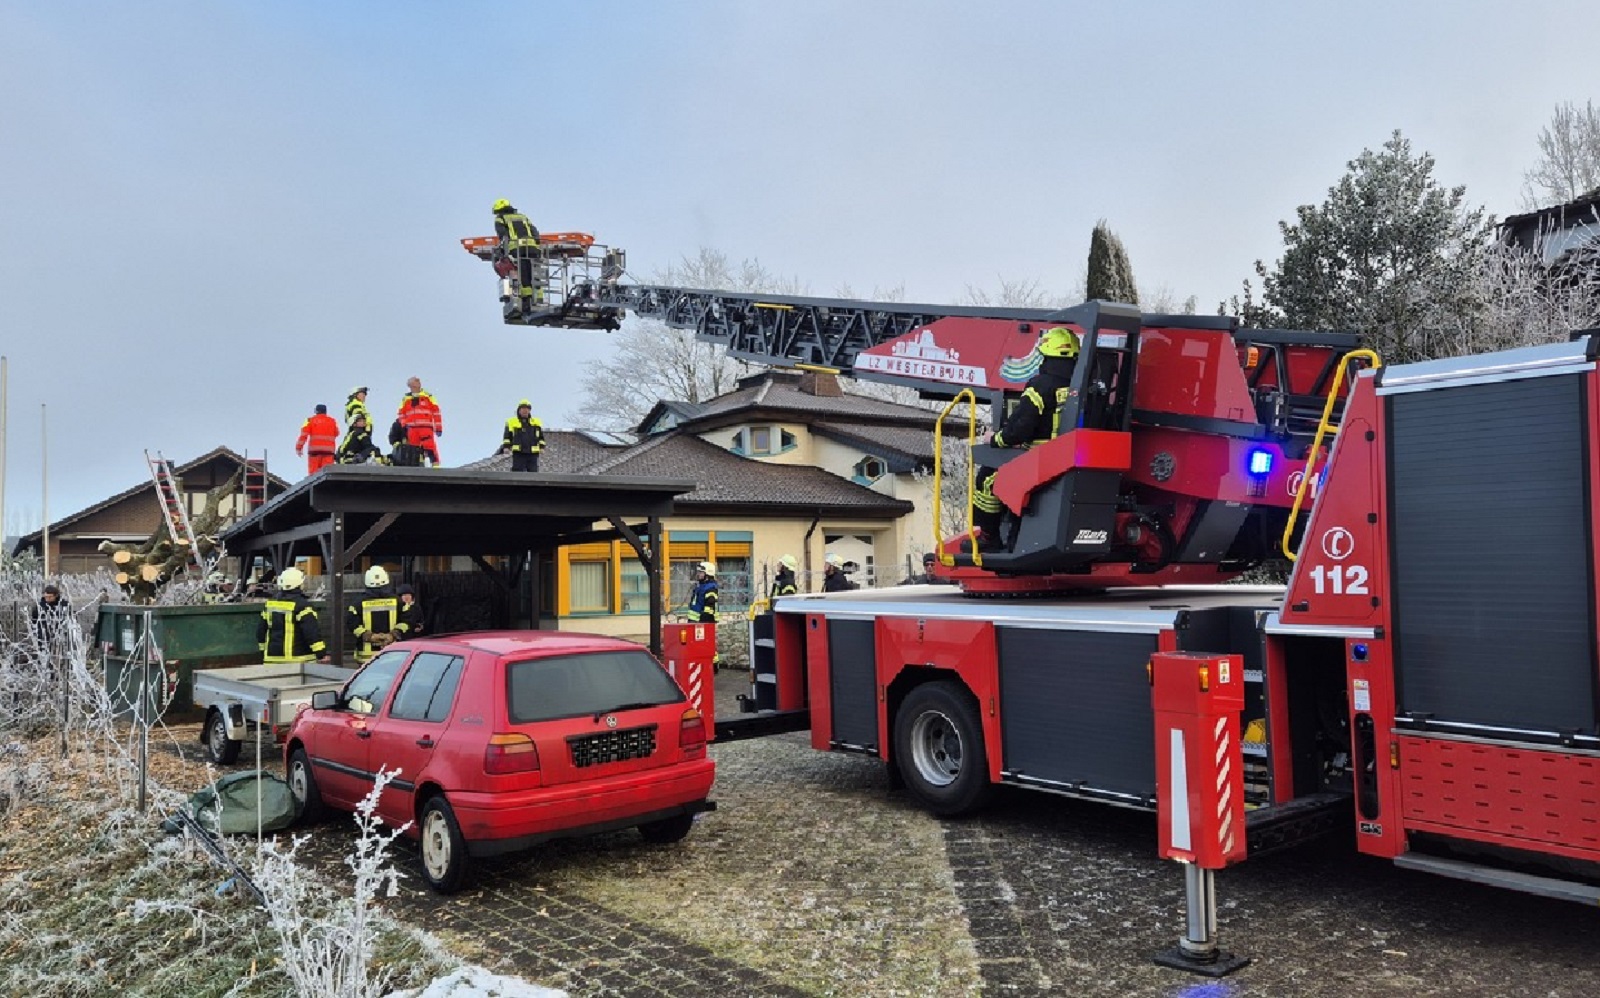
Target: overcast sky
[{"x": 214, "y": 215}]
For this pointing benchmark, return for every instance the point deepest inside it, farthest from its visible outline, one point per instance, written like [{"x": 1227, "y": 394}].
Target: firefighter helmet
[
  {"x": 502, "y": 205},
  {"x": 1058, "y": 342},
  {"x": 525, "y": 404},
  {"x": 291, "y": 578},
  {"x": 708, "y": 567},
  {"x": 788, "y": 561},
  {"x": 357, "y": 391},
  {"x": 834, "y": 560},
  {"x": 377, "y": 576}
]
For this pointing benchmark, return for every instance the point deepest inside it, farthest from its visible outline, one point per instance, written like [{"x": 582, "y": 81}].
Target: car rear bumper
[{"x": 495, "y": 823}]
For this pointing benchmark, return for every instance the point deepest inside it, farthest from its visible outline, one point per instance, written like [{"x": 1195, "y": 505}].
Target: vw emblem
[{"x": 611, "y": 720}]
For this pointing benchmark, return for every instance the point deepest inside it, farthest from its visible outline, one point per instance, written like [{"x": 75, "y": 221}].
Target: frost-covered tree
[
  {"x": 1110, "y": 276},
  {"x": 1569, "y": 157},
  {"x": 654, "y": 362},
  {"x": 1389, "y": 253}
]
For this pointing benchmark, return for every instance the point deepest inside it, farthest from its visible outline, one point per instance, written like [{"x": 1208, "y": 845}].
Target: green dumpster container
[{"x": 188, "y": 637}]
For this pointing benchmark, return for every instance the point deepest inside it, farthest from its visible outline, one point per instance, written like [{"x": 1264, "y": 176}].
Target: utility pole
[{"x": 44, "y": 482}]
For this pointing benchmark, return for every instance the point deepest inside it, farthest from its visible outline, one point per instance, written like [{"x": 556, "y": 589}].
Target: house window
[
  {"x": 787, "y": 439},
  {"x": 590, "y": 587},
  {"x": 635, "y": 587},
  {"x": 761, "y": 440},
  {"x": 870, "y": 469}
]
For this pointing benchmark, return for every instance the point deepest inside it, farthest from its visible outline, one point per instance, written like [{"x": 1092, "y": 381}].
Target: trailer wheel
[
  {"x": 303, "y": 788},
  {"x": 938, "y": 746},
  {"x": 441, "y": 847},
  {"x": 222, "y": 750}
]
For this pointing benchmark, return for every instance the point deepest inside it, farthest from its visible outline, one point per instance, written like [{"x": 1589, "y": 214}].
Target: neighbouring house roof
[
  {"x": 726, "y": 482},
  {"x": 905, "y": 448},
  {"x": 274, "y": 483},
  {"x": 564, "y": 451},
  {"x": 1581, "y": 209},
  {"x": 799, "y": 397},
  {"x": 736, "y": 483}
]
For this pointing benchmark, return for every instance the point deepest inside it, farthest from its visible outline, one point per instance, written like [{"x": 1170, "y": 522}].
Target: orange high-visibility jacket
[{"x": 321, "y": 431}]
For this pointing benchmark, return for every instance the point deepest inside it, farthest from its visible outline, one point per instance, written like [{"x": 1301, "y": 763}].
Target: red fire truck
[{"x": 1430, "y": 674}]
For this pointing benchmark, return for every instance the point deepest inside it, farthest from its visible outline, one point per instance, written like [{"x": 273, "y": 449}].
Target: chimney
[{"x": 822, "y": 384}]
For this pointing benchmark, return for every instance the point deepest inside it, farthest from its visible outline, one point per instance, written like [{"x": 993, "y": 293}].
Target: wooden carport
[{"x": 345, "y": 512}]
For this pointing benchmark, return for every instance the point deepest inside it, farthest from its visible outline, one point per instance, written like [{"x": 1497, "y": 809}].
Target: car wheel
[
  {"x": 308, "y": 805},
  {"x": 222, "y": 750},
  {"x": 938, "y": 745},
  {"x": 442, "y": 849},
  {"x": 667, "y": 830}
]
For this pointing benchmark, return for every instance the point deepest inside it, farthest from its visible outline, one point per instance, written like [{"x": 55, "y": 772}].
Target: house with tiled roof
[
  {"x": 786, "y": 463},
  {"x": 132, "y": 515}
]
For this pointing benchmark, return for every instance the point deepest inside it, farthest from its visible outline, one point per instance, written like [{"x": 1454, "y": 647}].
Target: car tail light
[
  {"x": 511, "y": 754},
  {"x": 692, "y": 734}
]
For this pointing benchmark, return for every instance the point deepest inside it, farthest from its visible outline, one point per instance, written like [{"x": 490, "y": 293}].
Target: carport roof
[{"x": 449, "y": 511}]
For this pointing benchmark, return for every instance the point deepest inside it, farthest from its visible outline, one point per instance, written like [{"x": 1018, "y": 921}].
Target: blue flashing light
[
  {"x": 1359, "y": 652},
  {"x": 1260, "y": 462}
]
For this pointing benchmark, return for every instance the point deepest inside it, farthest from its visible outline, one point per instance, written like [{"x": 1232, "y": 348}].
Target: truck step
[
  {"x": 1281, "y": 826},
  {"x": 1528, "y": 883}
]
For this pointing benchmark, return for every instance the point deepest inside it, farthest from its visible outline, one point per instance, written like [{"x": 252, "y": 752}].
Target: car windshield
[{"x": 569, "y": 685}]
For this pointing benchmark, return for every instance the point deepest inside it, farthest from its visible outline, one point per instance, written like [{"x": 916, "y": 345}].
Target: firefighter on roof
[
  {"x": 523, "y": 439},
  {"x": 356, "y": 405},
  {"x": 519, "y": 243},
  {"x": 289, "y": 631},
  {"x": 1034, "y": 419},
  {"x": 421, "y": 419},
  {"x": 357, "y": 446},
  {"x": 380, "y": 618},
  {"x": 319, "y": 438}
]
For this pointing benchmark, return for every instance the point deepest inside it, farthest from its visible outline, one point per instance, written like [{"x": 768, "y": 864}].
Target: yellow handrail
[
  {"x": 945, "y": 559},
  {"x": 1324, "y": 427}
]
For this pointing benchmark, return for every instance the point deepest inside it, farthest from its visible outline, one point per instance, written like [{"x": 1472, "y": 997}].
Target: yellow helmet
[
  {"x": 833, "y": 559},
  {"x": 502, "y": 205},
  {"x": 524, "y": 404},
  {"x": 1058, "y": 342},
  {"x": 788, "y": 561}
]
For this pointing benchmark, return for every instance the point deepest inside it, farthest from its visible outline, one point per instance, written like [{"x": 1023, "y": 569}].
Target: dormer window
[{"x": 870, "y": 469}]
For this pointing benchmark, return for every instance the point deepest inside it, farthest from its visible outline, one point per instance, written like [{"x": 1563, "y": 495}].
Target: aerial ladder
[{"x": 1190, "y": 435}]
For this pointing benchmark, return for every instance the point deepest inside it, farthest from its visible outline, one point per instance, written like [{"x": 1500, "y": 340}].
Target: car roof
[{"x": 531, "y": 644}]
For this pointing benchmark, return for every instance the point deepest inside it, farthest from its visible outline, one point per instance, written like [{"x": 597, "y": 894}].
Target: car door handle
[
  {"x": 363, "y": 733},
  {"x": 426, "y": 741}
]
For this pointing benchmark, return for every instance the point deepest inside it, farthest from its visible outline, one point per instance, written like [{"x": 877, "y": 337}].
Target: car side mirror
[{"x": 324, "y": 700}]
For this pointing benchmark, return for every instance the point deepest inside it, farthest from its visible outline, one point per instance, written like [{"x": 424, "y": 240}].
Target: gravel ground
[{"x": 813, "y": 878}]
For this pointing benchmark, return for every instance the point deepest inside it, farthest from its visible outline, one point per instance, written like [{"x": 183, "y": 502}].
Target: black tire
[
  {"x": 222, "y": 750},
  {"x": 308, "y": 805},
  {"x": 667, "y": 830},
  {"x": 938, "y": 747},
  {"x": 440, "y": 847}
]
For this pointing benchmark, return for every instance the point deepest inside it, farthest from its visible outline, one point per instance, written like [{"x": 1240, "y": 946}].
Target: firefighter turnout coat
[{"x": 289, "y": 631}]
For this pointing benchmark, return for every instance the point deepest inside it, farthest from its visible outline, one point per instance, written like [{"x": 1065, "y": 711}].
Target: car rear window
[{"x": 569, "y": 685}]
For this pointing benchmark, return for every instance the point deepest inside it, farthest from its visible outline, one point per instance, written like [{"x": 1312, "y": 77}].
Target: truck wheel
[
  {"x": 222, "y": 750},
  {"x": 443, "y": 850},
  {"x": 303, "y": 788},
  {"x": 667, "y": 830},
  {"x": 938, "y": 746}
]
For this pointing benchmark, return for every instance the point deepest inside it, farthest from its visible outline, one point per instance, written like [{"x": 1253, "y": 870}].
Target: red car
[{"x": 505, "y": 739}]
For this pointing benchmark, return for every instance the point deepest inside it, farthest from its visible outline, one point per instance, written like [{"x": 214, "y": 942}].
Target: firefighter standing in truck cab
[
  {"x": 519, "y": 243},
  {"x": 1034, "y": 419},
  {"x": 289, "y": 631},
  {"x": 523, "y": 439},
  {"x": 380, "y": 618},
  {"x": 319, "y": 439}
]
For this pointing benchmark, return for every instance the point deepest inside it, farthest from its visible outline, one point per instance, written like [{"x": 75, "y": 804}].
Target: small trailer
[{"x": 238, "y": 700}]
